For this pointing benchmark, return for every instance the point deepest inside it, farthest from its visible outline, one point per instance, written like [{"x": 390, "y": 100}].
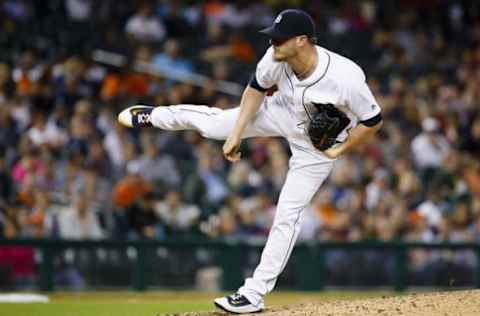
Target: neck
[{"x": 305, "y": 62}]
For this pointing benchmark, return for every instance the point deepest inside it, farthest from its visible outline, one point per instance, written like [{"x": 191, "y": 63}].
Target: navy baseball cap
[{"x": 290, "y": 23}]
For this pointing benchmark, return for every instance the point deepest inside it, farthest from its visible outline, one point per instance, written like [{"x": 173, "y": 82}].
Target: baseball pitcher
[{"x": 323, "y": 108}]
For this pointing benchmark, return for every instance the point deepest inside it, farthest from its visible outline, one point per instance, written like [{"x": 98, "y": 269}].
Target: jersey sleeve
[
  {"x": 359, "y": 98},
  {"x": 268, "y": 70}
]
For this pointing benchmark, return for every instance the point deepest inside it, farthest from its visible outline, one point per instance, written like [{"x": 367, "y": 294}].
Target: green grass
[{"x": 157, "y": 303}]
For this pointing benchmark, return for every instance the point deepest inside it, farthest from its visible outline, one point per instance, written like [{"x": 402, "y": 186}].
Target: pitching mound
[{"x": 465, "y": 303}]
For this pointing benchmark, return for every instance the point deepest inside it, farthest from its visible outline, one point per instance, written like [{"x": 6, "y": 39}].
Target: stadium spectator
[
  {"x": 178, "y": 216},
  {"x": 46, "y": 133},
  {"x": 154, "y": 166},
  {"x": 429, "y": 148},
  {"x": 79, "y": 10},
  {"x": 128, "y": 189},
  {"x": 143, "y": 220},
  {"x": 79, "y": 220},
  {"x": 144, "y": 26},
  {"x": 171, "y": 61}
]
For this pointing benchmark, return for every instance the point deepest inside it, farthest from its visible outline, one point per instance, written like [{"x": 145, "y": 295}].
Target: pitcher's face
[{"x": 285, "y": 49}]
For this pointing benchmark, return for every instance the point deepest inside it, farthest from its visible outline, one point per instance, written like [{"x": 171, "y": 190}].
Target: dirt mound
[{"x": 454, "y": 303}]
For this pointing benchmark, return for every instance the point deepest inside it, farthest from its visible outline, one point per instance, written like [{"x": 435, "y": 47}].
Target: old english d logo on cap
[{"x": 290, "y": 23}]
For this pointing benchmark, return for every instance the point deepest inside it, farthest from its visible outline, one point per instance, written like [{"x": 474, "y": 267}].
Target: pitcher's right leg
[{"x": 211, "y": 122}]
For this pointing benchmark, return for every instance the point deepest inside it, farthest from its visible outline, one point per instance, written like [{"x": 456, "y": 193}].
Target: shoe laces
[
  {"x": 144, "y": 117},
  {"x": 236, "y": 296}
]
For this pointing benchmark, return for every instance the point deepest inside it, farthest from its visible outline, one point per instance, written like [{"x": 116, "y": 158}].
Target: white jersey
[{"x": 336, "y": 80}]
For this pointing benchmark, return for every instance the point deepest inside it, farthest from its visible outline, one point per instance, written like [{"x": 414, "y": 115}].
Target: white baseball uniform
[{"x": 336, "y": 80}]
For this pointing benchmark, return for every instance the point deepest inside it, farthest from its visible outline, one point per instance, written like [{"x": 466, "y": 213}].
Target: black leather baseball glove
[{"x": 325, "y": 125}]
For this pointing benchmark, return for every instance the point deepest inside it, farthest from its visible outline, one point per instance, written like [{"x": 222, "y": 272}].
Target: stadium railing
[{"x": 310, "y": 272}]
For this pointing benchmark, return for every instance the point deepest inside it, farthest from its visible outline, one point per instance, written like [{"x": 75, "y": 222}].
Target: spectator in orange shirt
[{"x": 127, "y": 190}]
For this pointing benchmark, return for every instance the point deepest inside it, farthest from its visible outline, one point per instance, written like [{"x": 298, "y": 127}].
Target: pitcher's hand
[{"x": 230, "y": 148}]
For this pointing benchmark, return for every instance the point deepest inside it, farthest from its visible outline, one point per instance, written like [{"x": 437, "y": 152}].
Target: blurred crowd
[{"x": 68, "y": 170}]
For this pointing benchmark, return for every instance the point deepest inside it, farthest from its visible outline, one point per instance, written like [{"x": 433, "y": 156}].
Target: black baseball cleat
[
  {"x": 237, "y": 304},
  {"x": 136, "y": 116}
]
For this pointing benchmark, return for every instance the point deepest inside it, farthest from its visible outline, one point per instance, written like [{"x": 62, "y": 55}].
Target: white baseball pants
[{"x": 308, "y": 168}]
